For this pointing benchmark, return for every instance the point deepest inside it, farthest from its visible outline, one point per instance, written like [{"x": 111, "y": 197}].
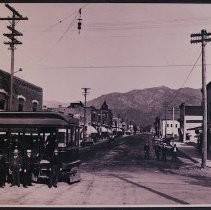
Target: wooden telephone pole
[
  {"x": 165, "y": 105},
  {"x": 85, "y": 93},
  {"x": 203, "y": 38},
  {"x": 16, "y": 17}
]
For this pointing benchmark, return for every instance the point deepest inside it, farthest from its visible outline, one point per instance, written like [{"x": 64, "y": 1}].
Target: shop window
[
  {"x": 34, "y": 107},
  {"x": 20, "y": 104}
]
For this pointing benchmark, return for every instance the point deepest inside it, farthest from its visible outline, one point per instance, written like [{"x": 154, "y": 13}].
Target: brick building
[
  {"x": 26, "y": 96},
  {"x": 96, "y": 117}
]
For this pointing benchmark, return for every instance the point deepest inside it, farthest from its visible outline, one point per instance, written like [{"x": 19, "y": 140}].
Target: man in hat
[
  {"x": 15, "y": 168},
  {"x": 164, "y": 152},
  {"x": 51, "y": 145},
  {"x": 2, "y": 170},
  {"x": 55, "y": 167},
  {"x": 174, "y": 153},
  {"x": 27, "y": 169},
  {"x": 146, "y": 151}
]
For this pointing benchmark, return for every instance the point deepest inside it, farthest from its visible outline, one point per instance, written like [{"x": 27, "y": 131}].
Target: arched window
[
  {"x": 34, "y": 105},
  {"x": 21, "y": 101},
  {"x": 3, "y": 99}
]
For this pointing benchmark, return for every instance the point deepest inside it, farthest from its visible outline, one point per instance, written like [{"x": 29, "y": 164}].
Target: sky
[{"x": 121, "y": 47}]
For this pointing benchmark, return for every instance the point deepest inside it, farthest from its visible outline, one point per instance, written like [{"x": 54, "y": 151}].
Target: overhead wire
[
  {"x": 186, "y": 79},
  {"x": 63, "y": 34},
  {"x": 117, "y": 66}
]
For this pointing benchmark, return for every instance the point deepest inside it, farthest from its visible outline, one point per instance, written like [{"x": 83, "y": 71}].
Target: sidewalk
[{"x": 191, "y": 152}]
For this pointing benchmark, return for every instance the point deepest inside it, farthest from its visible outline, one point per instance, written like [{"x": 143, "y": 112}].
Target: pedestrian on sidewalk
[
  {"x": 27, "y": 169},
  {"x": 2, "y": 170},
  {"x": 157, "y": 151},
  {"x": 164, "y": 152},
  {"x": 174, "y": 153},
  {"x": 15, "y": 168},
  {"x": 146, "y": 151},
  {"x": 55, "y": 166}
]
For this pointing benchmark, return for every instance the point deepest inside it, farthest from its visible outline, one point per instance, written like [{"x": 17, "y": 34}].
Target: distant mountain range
[{"x": 142, "y": 106}]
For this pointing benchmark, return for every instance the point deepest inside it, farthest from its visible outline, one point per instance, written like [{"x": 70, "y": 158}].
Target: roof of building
[
  {"x": 76, "y": 103},
  {"x": 22, "y": 81},
  {"x": 175, "y": 120}
]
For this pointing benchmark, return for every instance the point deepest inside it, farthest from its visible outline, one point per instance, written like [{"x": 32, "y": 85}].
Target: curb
[
  {"x": 192, "y": 159},
  {"x": 187, "y": 156}
]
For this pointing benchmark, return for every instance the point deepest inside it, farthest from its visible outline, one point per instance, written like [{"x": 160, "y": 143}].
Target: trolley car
[{"x": 37, "y": 130}]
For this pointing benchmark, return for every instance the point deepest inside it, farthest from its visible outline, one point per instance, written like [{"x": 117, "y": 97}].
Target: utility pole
[
  {"x": 165, "y": 105},
  {"x": 203, "y": 38},
  {"x": 16, "y": 17},
  {"x": 85, "y": 93},
  {"x": 173, "y": 121}
]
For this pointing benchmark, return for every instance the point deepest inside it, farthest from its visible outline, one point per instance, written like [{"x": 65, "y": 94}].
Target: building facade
[
  {"x": 96, "y": 117},
  {"x": 209, "y": 116},
  {"x": 170, "y": 128},
  {"x": 190, "y": 117},
  {"x": 26, "y": 96}
]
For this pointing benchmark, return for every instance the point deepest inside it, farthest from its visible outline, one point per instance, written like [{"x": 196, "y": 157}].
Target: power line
[
  {"x": 58, "y": 22},
  {"x": 112, "y": 67},
  {"x": 64, "y": 33},
  {"x": 60, "y": 38},
  {"x": 186, "y": 79}
]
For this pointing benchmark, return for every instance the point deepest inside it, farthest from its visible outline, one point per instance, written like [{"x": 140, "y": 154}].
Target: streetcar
[{"x": 36, "y": 131}]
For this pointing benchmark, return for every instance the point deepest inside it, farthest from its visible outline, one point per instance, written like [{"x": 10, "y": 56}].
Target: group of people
[
  {"x": 22, "y": 164},
  {"x": 19, "y": 170},
  {"x": 160, "y": 152}
]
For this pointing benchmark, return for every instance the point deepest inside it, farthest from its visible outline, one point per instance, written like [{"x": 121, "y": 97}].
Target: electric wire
[
  {"x": 117, "y": 67},
  {"x": 186, "y": 79},
  {"x": 62, "y": 36}
]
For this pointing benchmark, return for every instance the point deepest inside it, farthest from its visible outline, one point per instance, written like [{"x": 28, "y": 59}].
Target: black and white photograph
[{"x": 105, "y": 104}]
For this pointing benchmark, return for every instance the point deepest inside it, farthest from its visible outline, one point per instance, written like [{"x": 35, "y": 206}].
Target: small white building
[
  {"x": 190, "y": 117},
  {"x": 170, "y": 128}
]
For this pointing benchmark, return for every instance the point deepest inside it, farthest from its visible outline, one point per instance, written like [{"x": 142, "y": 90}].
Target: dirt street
[{"x": 119, "y": 175}]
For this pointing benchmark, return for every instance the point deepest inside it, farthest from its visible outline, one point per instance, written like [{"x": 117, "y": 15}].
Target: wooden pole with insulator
[{"x": 203, "y": 38}]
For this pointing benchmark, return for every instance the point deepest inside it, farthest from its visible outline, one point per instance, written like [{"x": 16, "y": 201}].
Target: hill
[{"x": 142, "y": 106}]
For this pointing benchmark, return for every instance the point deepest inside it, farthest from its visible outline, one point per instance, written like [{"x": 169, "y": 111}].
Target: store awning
[
  {"x": 117, "y": 129},
  {"x": 109, "y": 131},
  {"x": 128, "y": 131},
  {"x": 91, "y": 129},
  {"x": 103, "y": 129},
  {"x": 195, "y": 128}
]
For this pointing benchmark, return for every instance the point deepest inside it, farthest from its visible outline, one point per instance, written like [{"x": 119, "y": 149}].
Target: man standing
[
  {"x": 27, "y": 170},
  {"x": 55, "y": 167},
  {"x": 157, "y": 151},
  {"x": 15, "y": 168},
  {"x": 146, "y": 151},
  {"x": 164, "y": 152},
  {"x": 51, "y": 145},
  {"x": 2, "y": 170},
  {"x": 174, "y": 153}
]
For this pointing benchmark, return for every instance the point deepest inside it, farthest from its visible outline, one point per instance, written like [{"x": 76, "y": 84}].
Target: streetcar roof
[{"x": 36, "y": 119}]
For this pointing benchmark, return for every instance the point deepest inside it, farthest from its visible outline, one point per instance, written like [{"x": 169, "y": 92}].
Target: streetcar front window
[{"x": 61, "y": 138}]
